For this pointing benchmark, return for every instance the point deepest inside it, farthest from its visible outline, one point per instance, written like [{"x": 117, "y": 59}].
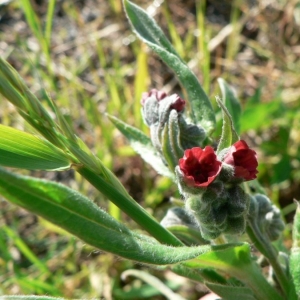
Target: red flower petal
[{"x": 200, "y": 166}]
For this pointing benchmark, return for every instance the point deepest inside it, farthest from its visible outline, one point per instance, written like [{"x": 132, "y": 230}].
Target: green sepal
[
  {"x": 231, "y": 102},
  {"x": 174, "y": 134},
  {"x": 170, "y": 140},
  {"x": 142, "y": 145},
  {"x": 80, "y": 216},
  {"x": 229, "y": 135},
  {"x": 149, "y": 32},
  {"x": 19, "y": 149}
]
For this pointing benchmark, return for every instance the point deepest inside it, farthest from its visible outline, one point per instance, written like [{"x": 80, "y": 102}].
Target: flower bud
[
  {"x": 190, "y": 135},
  {"x": 154, "y": 93},
  {"x": 268, "y": 217},
  {"x": 238, "y": 202},
  {"x": 219, "y": 210},
  {"x": 236, "y": 225}
]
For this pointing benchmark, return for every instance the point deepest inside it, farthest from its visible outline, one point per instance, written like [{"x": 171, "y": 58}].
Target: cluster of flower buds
[
  {"x": 170, "y": 134},
  {"x": 209, "y": 181},
  {"x": 210, "y": 185},
  {"x": 266, "y": 216}
]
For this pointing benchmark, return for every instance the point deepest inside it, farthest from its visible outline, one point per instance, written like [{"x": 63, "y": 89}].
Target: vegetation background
[{"x": 84, "y": 55}]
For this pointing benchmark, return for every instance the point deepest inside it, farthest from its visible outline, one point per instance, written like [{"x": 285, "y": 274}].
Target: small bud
[
  {"x": 268, "y": 217},
  {"x": 190, "y": 135},
  {"x": 150, "y": 111},
  {"x": 177, "y": 103},
  {"x": 238, "y": 202},
  {"x": 219, "y": 210},
  {"x": 154, "y": 93},
  {"x": 236, "y": 225}
]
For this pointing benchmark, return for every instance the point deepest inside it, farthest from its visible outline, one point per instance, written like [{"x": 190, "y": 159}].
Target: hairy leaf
[
  {"x": 148, "y": 31},
  {"x": 143, "y": 146},
  {"x": 19, "y": 149},
  {"x": 78, "y": 215}
]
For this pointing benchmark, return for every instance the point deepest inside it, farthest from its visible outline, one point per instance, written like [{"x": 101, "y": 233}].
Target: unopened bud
[{"x": 268, "y": 217}]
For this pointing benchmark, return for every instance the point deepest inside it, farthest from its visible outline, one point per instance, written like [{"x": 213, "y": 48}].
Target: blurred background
[{"x": 85, "y": 57}]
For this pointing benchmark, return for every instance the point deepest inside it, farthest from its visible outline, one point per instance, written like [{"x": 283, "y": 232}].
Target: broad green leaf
[
  {"x": 78, "y": 215},
  {"x": 231, "y": 102},
  {"x": 143, "y": 146},
  {"x": 237, "y": 262},
  {"x": 295, "y": 251},
  {"x": 19, "y": 149},
  {"x": 149, "y": 32},
  {"x": 229, "y": 135},
  {"x": 231, "y": 292}
]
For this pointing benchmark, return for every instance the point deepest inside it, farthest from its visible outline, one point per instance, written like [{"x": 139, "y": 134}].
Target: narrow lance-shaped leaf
[
  {"x": 19, "y": 149},
  {"x": 231, "y": 102},
  {"x": 295, "y": 251},
  {"x": 142, "y": 145},
  {"x": 78, "y": 215},
  {"x": 148, "y": 31},
  {"x": 229, "y": 135}
]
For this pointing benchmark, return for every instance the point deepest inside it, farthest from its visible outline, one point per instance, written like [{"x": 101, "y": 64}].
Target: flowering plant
[{"x": 199, "y": 238}]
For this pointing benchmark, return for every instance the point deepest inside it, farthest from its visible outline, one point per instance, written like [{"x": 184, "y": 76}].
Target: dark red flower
[
  {"x": 243, "y": 159},
  {"x": 199, "y": 166}
]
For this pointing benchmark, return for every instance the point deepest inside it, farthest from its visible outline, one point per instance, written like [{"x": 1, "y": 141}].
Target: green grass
[{"x": 83, "y": 59}]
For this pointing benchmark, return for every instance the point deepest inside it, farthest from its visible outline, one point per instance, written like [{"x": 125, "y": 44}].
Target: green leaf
[
  {"x": 231, "y": 292},
  {"x": 78, "y": 215},
  {"x": 148, "y": 31},
  {"x": 19, "y": 149},
  {"x": 231, "y": 102},
  {"x": 295, "y": 251},
  {"x": 236, "y": 261},
  {"x": 229, "y": 135},
  {"x": 143, "y": 146}
]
